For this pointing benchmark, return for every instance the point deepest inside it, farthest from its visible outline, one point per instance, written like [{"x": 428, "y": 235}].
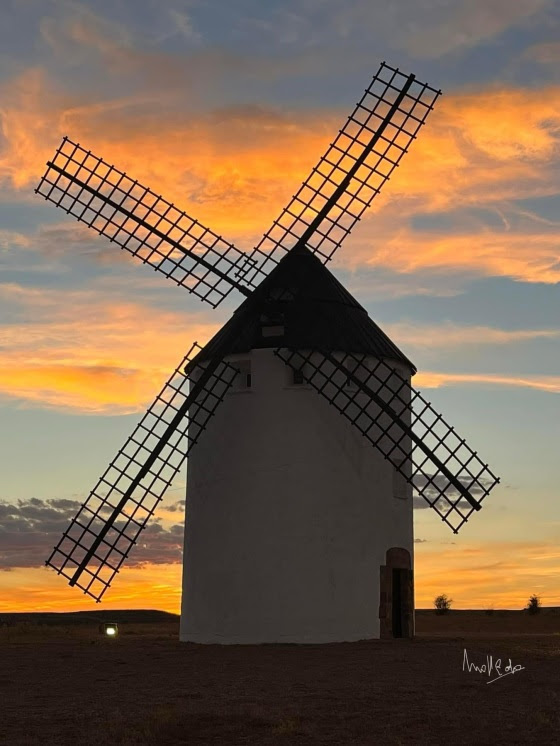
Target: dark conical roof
[{"x": 301, "y": 305}]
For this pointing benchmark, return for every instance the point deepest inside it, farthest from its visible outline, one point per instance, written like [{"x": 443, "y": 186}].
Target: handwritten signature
[{"x": 490, "y": 666}]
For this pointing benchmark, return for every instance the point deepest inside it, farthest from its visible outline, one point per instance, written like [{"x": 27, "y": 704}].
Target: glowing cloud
[
  {"x": 114, "y": 363},
  {"x": 527, "y": 257},
  {"x": 235, "y": 168},
  {"x": 469, "y": 573},
  {"x": 430, "y": 380}
]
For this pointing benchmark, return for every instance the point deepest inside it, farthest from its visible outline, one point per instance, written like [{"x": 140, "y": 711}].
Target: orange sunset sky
[{"x": 224, "y": 108}]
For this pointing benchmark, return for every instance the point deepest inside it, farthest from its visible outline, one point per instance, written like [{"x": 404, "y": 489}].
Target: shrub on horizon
[
  {"x": 533, "y": 605},
  {"x": 442, "y": 603}
]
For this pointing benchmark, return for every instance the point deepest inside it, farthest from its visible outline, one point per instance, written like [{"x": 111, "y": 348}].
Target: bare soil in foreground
[{"x": 64, "y": 684}]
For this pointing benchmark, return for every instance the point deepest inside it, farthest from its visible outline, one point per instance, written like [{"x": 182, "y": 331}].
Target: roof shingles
[{"x": 313, "y": 309}]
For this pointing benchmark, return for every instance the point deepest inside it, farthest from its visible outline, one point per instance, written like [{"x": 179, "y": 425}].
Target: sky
[{"x": 224, "y": 108}]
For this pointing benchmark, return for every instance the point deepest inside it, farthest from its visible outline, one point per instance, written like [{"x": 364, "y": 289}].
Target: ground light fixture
[{"x": 109, "y": 629}]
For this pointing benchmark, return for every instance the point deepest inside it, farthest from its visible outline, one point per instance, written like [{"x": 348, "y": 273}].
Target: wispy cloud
[
  {"x": 112, "y": 358},
  {"x": 454, "y": 25},
  {"x": 432, "y": 380},
  {"x": 11, "y": 239},
  {"x": 547, "y": 53},
  {"x": 455, "y": 335},
  {"x": 183, "y": 24},
  {"x": 78, "y": 32},
  {"x": 423, "y": 28},
  {"x": 522, "y": 256}
]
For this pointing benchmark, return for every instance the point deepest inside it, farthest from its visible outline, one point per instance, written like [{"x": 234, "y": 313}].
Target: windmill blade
[
  {"x": 403, "y": 425},
  {"x": 107, "y": 525},
  {"x": 351, "y": 173},
  {"x": 145, "y": 224}
]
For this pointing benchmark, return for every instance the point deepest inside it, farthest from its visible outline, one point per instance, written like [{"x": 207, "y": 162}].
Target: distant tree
[
  {"x": 533, "y": 604},
  {"x": 442, "y": 603},
  {"x": 489, "y": 611}
]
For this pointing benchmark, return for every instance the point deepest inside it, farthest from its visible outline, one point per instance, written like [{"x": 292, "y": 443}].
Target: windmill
[{"x": 311, "y": 444}]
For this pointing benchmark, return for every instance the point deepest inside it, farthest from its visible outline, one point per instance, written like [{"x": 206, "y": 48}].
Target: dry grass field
[{"x": 62, "y": 684}]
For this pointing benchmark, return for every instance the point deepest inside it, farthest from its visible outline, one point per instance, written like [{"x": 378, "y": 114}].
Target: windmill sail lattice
[
  {"x": 403, "y": 425},
  {"x": 353, "y": 170},
  {"x": 108, "y": 524},
  {"x": 145, "y": 224}
]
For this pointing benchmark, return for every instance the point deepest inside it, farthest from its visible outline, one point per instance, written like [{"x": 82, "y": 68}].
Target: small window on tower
[
  {"x": 297, "y": 378},
  {"x": 243, "y": 379}
]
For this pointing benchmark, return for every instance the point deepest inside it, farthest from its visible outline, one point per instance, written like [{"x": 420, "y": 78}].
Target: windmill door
[
  {"x": 399, "y": 600},
  {"x": 396, "y": 595}
]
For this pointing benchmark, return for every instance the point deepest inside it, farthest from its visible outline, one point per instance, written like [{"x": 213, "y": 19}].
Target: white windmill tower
[
  {"x": 297, "y": 529},
  {"x": 290, "y": 511}
]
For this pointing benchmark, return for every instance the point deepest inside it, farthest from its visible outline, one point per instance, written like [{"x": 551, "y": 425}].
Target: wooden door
[{"x": 399, "y": 602}]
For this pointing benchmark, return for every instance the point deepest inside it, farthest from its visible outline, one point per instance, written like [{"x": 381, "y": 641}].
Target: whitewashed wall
[{"x": 289, "y": 515}]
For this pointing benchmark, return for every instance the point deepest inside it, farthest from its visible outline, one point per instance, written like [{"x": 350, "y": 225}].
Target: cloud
[
  {"x": 29, "y": 529},
  {"x": 80, "y": 32},
  {"x": 234, "y": 168},
  {"x": 525, "y": 257},
  {"x": 74, "y": 239},
  {"x": 433, "y": 380},
  {"x": 521, "y": 125},
  {"x": 68, "y": 239},
  {"x": 501, "y": 573},
  {"x": 382, "y": 283},
  {"x": 439, "y": 27},
  {"x": 547, "y": 53},
  {"x": 424, "y": 28},
  {"x": 11, "y": 239},
  {"x": 178, "y": 506},
  {"x": 226, "y": 164},
  {"x": 111, "y": 358},
  {"x": 78, "y": 35},
  {"x": 114, "y": 356},
  {"x": 27, "y": 111},
  {"x": 140, "y": 54},
  {"x": 184, "y": 26},
  {"x": 93, "y": 389},
  {"x": 450, "y": 335},
  {"x": 432, "y": 486}
]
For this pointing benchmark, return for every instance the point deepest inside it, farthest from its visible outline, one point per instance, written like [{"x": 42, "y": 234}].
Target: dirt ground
[{"x": 62, "y": 685}]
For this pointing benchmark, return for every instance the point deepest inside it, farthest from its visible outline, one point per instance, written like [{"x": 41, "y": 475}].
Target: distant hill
[
  {"x": 497, "y": 612},
  {"x": 136, "y": 616},
  {"x": 152, "y": 616}
]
